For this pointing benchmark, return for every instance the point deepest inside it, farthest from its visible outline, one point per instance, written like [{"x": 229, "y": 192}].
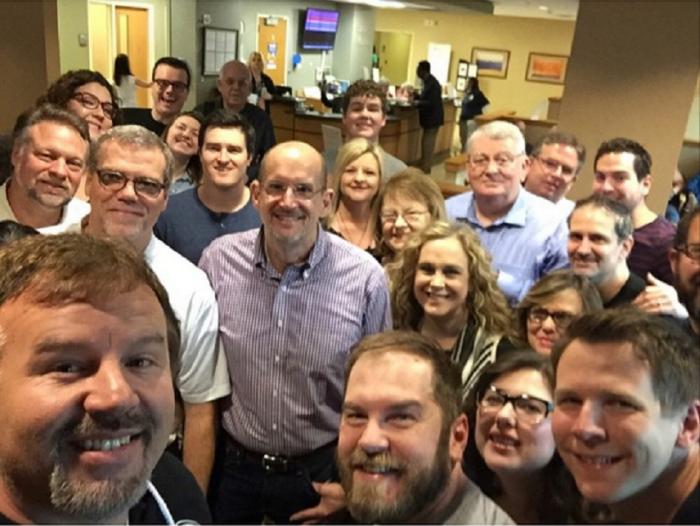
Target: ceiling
[{"x": 548, "y": 9}]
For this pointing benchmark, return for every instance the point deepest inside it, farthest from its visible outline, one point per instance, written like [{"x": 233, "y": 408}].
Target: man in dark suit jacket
[{"x": 431, "y": 114}]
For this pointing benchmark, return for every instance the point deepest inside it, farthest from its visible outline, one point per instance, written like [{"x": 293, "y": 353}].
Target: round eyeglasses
[{"x": 143, "y": 186}]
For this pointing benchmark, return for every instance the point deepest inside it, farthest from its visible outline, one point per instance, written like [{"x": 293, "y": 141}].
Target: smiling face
[
  {"x": 593, "y": 247},
  {"x": 124, "y": 214},
  {"x": 98, "y": 377},
  {"x": 359, "y": 181},
  {"x": 508, "y": 445},
  {"x": 49, "y": 165},
  {"x": 686, "y": 275},
  {"x": 183, "y": 136},
  {"x": 496, "y": 170},
  {"x": 291, "y": 222},
  {"x": 441, "y": 284},
  {"x": 608, "y": 423},
  {"x": 553, "y": 172},
  {"x": 235, "y": 85},
  {"x": 401, "y": 217},
  {"x": 224, "y": 158},
  {"x": 394, "y": 460},
  {"x": 542, "y": 335},
  {"x": 169, "y": 100},
  {"x": 364, "y": 118},
  {"x": 97, "y": 119},
  {"x": 616, "y": 179}
]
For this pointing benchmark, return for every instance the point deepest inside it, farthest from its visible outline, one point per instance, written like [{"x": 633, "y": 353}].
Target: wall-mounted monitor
[{"x": 319, "y": 29}]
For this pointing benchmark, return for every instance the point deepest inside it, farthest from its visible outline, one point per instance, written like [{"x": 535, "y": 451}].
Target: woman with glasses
[
  {"x": 182, "y": 137},
  {"x": 408, "y": 202},
  {"x": 511, "y": 454},
  {"x": 550, "y": 306},
  {"x": 442, "y": 286},
  {"x": 357, "y": 178},
  {"x": 89, "y": 95}
]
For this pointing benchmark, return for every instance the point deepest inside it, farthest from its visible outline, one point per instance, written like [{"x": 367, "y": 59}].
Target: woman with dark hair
[
  {"x": 550, "y": 306},
  {"x": 443, "y": 286},
  {"x": 126, "y": 82},
  {"x": 89, "y": 95},
  {"x": 182, "y": 137},
  {"x": 511, "y": 454}
]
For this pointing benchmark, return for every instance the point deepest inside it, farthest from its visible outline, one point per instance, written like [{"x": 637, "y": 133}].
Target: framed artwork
[
  {"x": 546, "y": 68},
  {"x": 461, "y": 83},
  {"x": 462, "y": 68},
  {"x": 491, "y": 62},
  {"x": 218, "y": 47}
]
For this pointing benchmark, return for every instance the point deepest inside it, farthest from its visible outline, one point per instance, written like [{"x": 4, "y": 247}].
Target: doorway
[
  {"x": 394, "y": 50},
  {"x": 272, "y": 45},
  {"x": 116, "y": 29}
]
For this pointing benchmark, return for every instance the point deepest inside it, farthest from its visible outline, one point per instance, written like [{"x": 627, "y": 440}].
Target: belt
[{"x": 279, "y": 463}]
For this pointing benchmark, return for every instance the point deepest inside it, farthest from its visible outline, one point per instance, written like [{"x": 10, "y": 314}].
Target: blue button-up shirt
[{"x": 525, "y": 244}]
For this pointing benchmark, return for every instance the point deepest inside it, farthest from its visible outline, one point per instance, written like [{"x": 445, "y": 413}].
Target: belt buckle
[{"x": 275, "y": 463}]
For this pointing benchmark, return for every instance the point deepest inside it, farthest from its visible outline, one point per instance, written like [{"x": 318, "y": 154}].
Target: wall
[
  {"x": 464, "y": 31},
  {"x": 353, "y": 45},
  {"x": 183, "y": 35},
  {"x": 28, "y": 54},
  {"x": 394, "y": 51},
  {"x": 243, "y": 17}
]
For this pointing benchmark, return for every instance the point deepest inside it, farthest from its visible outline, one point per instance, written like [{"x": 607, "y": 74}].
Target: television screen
[{"x": 320, "y": 27}]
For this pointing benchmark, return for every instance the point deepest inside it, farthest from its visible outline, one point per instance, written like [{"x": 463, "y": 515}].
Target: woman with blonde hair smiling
[
  {"x": 357, "y": 179},
  {"x": 443, "y": 286}
]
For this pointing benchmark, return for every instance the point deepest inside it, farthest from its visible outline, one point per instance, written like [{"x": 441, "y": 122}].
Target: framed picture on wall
[
  {"x": 462, "y": 68},
  {"x": 546, "y": 68},
  {"x": 461, "y": 83},
  {"x": 491, "y": 62},
  {"x": 218, "y": 47}
]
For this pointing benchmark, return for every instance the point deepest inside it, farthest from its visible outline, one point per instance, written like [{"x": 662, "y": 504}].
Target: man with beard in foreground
[
  {"x": 400, "y": 445},
  {"x": 685, "y": 264},
  {"x": 88, "y": 348}
]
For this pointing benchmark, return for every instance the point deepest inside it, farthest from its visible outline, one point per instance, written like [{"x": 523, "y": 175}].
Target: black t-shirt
[
  {"x": 632, "y": 288},
  {"x": 689, "y": 513},
  {"x": 143, "y": 117}
]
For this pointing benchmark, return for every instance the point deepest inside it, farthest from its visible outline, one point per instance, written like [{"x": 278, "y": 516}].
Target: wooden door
[
  {"x": 132, "y": 40},
  {"x": 272, "y": 45}
]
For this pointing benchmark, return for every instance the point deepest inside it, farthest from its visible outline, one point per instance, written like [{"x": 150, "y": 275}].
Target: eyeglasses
[
  {"x": 692, "y": 251},
  {"x": 410, "y": 216},
  {"x": 302, "y": 191},
  {"x": 236, "y": 82},
  {"x": 529, "y": 409},
  {"x": 91, "y": 102},
  {"x": 178, "y": 87},
  {"x": 554, "y": 166},
  {"x": 143, "y": 186},
  {"x": 562, "y": 319},
  {"x": 480, "y": 163}
]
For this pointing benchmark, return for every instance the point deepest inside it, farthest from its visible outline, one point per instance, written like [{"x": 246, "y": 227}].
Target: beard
[
  {"x": 689, "y": 295},
  {"x": 421, "y": 486},
  {"x": 99, "y": 499}
]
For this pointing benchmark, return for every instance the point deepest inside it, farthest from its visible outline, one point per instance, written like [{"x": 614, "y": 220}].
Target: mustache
[
  {"x": 360, "y": 459},
  {"x": 91, "y": 424},
  {"x": 584, "y": 259}
]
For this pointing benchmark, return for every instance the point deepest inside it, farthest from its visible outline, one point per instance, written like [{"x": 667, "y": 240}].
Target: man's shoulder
[
  {"x": 346, "y": 256},
  {"x": 180, "y": 203},
  {"x": 255, "y": 115},
  {"x": 457, "y": 205},
  {"x": 392, "y": 165},
  {"x": 477, "y": 508},
  {"x": 659, "y": 231},
  {"x": 174, "y": 270},
  {"x": 239, "y": 245},
  {"x": 689, "y": 512}
]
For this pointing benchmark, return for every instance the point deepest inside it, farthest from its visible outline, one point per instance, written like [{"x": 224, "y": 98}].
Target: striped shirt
[
  {"x": 526, "y": 244},
  {"x": 286, "y": 336}
]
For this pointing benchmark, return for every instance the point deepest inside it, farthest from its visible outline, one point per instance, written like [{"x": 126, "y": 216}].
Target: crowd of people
[{"x": 211, "y": 326}]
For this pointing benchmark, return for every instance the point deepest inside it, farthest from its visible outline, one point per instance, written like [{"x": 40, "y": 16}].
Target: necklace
[{"x": 345, "y": 231}]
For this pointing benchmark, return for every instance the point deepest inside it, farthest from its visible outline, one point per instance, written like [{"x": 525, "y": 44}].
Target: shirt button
[
  {"x": 284, "y": 288},
  {"x": 277, "y": 359},
  {"x": 279, "y": 322},
  {"x": 274, "y": 427},
  {"x": 274, "y": 393}
]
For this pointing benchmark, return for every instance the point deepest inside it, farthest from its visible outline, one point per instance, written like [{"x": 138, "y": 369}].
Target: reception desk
[{"x": 401, "y": 136}]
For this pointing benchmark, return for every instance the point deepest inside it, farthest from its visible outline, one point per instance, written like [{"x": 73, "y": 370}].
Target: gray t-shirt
[
  {"x": 477, "y": 508},
  {"x": 392, "y": 165}
]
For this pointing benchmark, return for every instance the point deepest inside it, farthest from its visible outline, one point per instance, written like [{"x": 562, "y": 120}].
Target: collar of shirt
[
  {"x": 318, "y": 252},
  {"x": 516, "y": 216}
]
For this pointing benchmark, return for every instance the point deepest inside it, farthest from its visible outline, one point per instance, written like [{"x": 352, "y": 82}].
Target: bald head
[
  {"x": 234, "y": 84},
  {"x": 295, "y": 152}
]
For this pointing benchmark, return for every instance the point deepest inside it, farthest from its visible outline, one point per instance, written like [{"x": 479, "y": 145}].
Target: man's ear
[
  {"x": 689, "y": 432},
  {"x": 646, "y": 185},
  {"x": 459, "y": 436},
  {"x": 255, "y": 194},
  {"x": 627, "y": 245}
]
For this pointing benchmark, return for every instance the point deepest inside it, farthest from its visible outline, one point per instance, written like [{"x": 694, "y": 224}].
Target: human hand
[
  {"x": 660, "y": 298},
  {"x": 332, "y": 501}
]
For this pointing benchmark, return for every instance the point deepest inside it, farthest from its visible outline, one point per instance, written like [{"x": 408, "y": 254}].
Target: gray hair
[
  {"x": 133, "y": 135},
  {"x": 500, "y": 131},
  {"x": 49, "y": 113},
  {"x": 624, "y": 228}
]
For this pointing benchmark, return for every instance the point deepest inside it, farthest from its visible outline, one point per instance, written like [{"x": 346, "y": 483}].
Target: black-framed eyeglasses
[
  {"x": 303, "y": 191},
  {"x": 691, "y": 250},
  {"x": 562, "y": 319},
  {"x": 527, "y": 408},
  {"x": 143, "y": 186},
  {"x": 89, "y": 101},
  {"x": 178, "y": 87},
  {"x": 554, "y": 166}
]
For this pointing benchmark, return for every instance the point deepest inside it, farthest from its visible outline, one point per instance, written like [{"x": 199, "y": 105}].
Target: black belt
[{"x": 279, "y": 463}]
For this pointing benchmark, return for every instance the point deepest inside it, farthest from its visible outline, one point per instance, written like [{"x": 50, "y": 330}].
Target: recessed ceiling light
[{"x": 544, "y": 8}]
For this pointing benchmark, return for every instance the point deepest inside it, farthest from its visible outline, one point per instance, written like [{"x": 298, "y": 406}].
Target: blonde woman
[
  {"x": 442, "y": 286},
  {"x": 357, "y": 179},
  {"x": 262, "y": 86}
]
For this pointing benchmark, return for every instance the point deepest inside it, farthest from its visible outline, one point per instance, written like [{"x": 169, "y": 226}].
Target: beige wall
[
  {"x": 394, "y": 51},
  {"x": 464, "y": 31},
  {"x": 28, "y": 55},
  {"x": 643, "y": 89}
]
